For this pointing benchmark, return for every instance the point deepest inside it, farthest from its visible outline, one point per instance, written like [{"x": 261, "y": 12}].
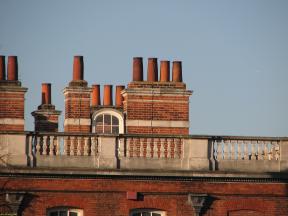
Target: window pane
[
  {"x": 53, "y": 213},
  {"x": 146, "y": 214},
  {"x": 107, "y": 129},
  {"x": 73, "y": 214},
  {"x": 156, "y": 214},
  {"x": 115, "y": 121},
  {"x": 63, "y": 213},
  {"x": 115, "y": 129},
  {"x": 137, "y": 214},
  {"x": 107, "y": 119},
  {"x": 99, "y": 119}
]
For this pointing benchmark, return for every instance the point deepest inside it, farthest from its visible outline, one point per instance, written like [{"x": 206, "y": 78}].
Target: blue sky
[{"x": 234, "y": 53}]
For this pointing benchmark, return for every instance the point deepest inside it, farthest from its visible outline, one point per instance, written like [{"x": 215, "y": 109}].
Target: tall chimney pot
[
  {"x": 118, "y": 96},
  {"x": 46, "y": 93},
  {"x": 12, "y": 68},
  {"x": 152, "y": 71},
  {"x": 96, "y": 99},
  {"x": 78, "y": 68},
  {"x": 137, "y": 69},
  {"x": 177, "y": 71},
  {"x": 107, "y": 100},
  {"x": 165, "y": 71},
  {"x": 2, "y": 68}
]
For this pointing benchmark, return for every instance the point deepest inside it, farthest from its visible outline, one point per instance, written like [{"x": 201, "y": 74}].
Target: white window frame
[
  {"x": 109, "y": 111},
  {"x": 57, "y": 209},
  {"x": 133, "y": 211}
]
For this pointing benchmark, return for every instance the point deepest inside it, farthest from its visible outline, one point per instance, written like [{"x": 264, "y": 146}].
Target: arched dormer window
[{"x": 108, "y": 121}]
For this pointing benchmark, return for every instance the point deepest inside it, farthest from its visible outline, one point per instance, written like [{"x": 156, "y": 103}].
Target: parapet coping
[
  {"x": 214, "y": 137},
  {"x": 176, "y": 175}
]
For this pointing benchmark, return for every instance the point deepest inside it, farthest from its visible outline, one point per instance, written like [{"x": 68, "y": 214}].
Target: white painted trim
[
  {"x": 157, "y": 123},
  {"x": 77, "y": 121},
  {"x": 12, "y": 121},
  {"x": 109, "y": 111},
  {"x": 160, "y": 101}
]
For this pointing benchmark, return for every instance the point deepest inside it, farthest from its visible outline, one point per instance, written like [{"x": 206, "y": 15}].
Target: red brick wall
[
  {"x": 48, "y": 123},
  {"x": 108, "y": 197}
]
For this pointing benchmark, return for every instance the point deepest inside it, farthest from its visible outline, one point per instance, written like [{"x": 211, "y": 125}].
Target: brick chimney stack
[
  {"x": 12, "y": 97},
  {"x": 156, "y": 107},
  {"x": 46, "y": 117},
  {"x": 77, "y": 100}
]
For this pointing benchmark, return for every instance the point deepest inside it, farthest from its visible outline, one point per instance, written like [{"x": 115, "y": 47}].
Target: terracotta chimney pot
[
  {"x": 2, "y": 68},
  {"x": 96, "y": 100},
  {"x": 78, "y": 68},
  {"x": 177, "y": 71},
  {"x": 165, "y": 71},
  {"x": 152, "y": 71},
  {"x": 46, "y": 93},
  {"x": 118, "y": 96},
  {"x": 12, "y": 68},
  {"x": 137, "y": 69},
  {"x": 107, "y": 99}
]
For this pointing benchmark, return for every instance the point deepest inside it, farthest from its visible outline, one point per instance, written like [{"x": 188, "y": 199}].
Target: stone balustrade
[{"x": 144, "y": 152}]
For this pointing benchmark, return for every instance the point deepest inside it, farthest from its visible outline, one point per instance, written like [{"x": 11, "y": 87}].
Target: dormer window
[{"x": 108, "y": 121}]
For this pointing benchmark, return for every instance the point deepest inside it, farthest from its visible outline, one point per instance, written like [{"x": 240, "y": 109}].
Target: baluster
[
  {"x": 254, "y": 150},
  {"x": 169, "y": 141},
  {"x": 78, "y": 147},
  {"x": 148, "y": 148},
  {"x": 261, "y": 150},
  {"x": 53, "y": 144},
  {"x": 232, "y": 150},
  {"x": 276, "y": 149},
  {"x": 71, "y": 149},
  {"x": 269, "y": 151},
  {"x": 65, "y": 146},
  {"x": 86, "y": 148},
  {"x": 226, "y": 149},
  {"x": 57, "y": 145},
  {"x": 44, "y": 145},
  {"x": 38, "y": 145},
  {"x": 239, "y": 150},
  {"x": 265, "y": 150},
  {"x": 94, "y": 146},
  {"x": 162, "y": 147},
  {"x": 155, "y": 148},
  {"x": 141, "y": 147},
  {"x": 130, "y": 147}
]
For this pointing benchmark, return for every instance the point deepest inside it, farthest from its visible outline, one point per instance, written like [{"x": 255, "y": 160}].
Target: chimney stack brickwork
[
  {"x": 157, "y": 107},
  {"x": 77, "y": 101},
  {"x": 46, "y": 117},
  {"x": 12, "y": 97}
]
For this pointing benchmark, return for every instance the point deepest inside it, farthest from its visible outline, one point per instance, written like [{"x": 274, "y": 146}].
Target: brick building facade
[{"x": 133, "y": 157}]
